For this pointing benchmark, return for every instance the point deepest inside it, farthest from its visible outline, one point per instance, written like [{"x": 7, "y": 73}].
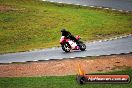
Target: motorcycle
[{"x": 68, "y": 45}]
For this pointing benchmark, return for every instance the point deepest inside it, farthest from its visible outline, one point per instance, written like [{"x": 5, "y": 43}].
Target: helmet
[{"x": 62, "y": 30}]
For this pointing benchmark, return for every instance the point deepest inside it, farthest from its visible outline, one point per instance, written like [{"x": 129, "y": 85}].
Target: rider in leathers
[{"x": 67, "y": 34}]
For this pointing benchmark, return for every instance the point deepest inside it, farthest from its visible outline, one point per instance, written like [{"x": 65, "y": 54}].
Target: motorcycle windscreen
[{"x": 62, "y": 39}]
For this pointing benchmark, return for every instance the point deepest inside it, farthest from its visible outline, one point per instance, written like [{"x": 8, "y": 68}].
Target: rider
[{"x": 67, "y": 34}]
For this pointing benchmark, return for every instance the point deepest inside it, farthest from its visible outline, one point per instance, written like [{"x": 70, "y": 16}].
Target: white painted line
[
  {"x": 116, "y": 38},
  {"x": 130, "y": 34},
  {"x": 99, "y": 7},
  {"x": 91, "y": 6},
  {"x": 106, "y": 8},
  {"x": 72, "y": 57},
  {"x": 51, "y": 1},
  {"x": 125, "y": 36},
  {"x": 113, "y": 9},
  {"x": 120, "y": 10},
  {"x": 60, "y": 2},
  {"x": 121, "y": 37},
  {"x": 84, "y": 5},
  {"x": 35, "y": 60},
  {"x": 100, "y": 41},
  {"x": 77, "y": 4},
  {"x": 105, "y": 40},
  {"x": 94, "y": 42},
  {"x": 127, "y": 11},
  {"x": 84, "y": 56},
  {"x": 111, "y": 39},
  {"x": 47, "y": 59},
  {"x": 97, "y": 55},
  {"x": 69, "y": 3}
]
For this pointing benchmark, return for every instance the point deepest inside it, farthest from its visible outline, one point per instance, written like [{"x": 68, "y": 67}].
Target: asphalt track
[
  {"x": 114, "y": 4},
  {"x": 97, "y": 48}
]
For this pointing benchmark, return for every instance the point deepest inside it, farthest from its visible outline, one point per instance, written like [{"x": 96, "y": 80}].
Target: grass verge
[
  {"x": 31, "y": 24},
  {"x": 58, "y": 82}
]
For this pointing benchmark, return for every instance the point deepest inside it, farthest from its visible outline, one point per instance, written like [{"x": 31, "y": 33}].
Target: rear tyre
[{"x": 66, "y": 47}]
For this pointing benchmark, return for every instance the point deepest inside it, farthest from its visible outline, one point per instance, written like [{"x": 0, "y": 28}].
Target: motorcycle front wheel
[
  {"x": 66, "y": 47},
  {"x": 82, "y": 46}
]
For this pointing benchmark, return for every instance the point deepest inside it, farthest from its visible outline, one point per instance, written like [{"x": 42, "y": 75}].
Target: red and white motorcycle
[{"x": 68, "y": 44}]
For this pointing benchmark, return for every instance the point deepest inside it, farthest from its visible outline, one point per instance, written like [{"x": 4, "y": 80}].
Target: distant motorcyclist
[{"x": 67, "y": 34}]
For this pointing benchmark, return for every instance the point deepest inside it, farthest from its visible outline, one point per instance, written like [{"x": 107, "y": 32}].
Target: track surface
[
  {"x": 115, "y": 4},
  {"x": 118, "y": 46}
]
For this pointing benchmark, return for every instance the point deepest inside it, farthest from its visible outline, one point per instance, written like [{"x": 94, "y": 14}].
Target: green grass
[
  {"x": 31, "y": 24},
  {"x": 58, "y": 82}
]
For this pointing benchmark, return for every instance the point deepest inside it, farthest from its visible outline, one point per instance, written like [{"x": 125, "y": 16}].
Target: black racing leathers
[{"x": 67, "y": 34}]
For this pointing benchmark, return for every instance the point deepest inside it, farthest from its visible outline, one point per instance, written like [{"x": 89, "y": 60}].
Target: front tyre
[
  {"x": 82, "y": 46},
  {"x": 66, "y": 47}
]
